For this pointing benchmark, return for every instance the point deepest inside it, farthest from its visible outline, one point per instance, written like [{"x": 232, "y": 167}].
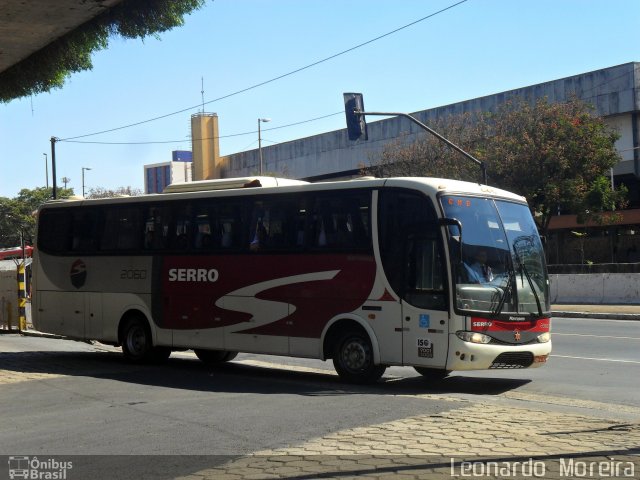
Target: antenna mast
[{"x": 202, "y": 92}]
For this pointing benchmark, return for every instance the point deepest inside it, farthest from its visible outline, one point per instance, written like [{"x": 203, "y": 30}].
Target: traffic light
[{"x": 356, "y": 124}]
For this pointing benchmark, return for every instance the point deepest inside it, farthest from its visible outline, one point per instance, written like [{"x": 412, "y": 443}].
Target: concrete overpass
[{"x": 27, "y": 27}]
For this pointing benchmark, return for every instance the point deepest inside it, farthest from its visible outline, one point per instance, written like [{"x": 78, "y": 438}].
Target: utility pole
[
  {"x": 46, "y": 169},
  {"x": 53, "y": 167}
]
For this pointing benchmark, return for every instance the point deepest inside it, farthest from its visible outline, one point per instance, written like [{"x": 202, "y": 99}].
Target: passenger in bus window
[
  {"x": 226, "y": 240},
  {"x": 479, "y": 271},
  {"x": 259, "y": 237}
]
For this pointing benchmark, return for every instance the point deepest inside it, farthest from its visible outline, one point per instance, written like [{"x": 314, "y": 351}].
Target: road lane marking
[
  {"x": 592, "y": 320},
  {"x": 598, "y": 359},
  {"x": 589, "y": 335}
]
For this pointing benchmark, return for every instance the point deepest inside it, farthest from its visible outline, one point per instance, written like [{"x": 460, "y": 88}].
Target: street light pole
[
  {"x": 53, "y": 167},
  {"x": 46, "y": 168},
  {"x": 260, "y": 120},
  {"x": 83, "y": 169}
]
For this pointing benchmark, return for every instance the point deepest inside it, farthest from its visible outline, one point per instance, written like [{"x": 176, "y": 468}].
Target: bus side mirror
[{"x": 454, "y": 222}]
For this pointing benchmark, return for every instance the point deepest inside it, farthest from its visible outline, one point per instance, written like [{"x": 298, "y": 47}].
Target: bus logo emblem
[
  {"x": 78, "y": 273},
  {"x": 516, "y": 335}
]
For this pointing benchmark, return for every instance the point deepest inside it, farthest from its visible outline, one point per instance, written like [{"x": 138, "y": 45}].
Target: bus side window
[
  {"x": 122, "y": 229},
  {"x": 410, "y": 248},
  {"x": 53, "y": 231},
  {"x": 204, "y": 238},
  {"x": 156, "y": 228},
  {"x": 227, "y": 218},
  {"x": 424, "y": 280},
  {"x": 85, "y": 231},
  {"x": 182, "y": 227},
  {"x": 129, "y": 229},
  {"x": 273, "y": 225},
  {"x": 342, "y": 222}
]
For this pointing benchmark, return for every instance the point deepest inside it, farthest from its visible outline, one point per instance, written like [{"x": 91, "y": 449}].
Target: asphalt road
[
  {"x": 69, "y": 398},
  {"x": 592, "y": 360},
  {"x": 61, "y": 397}
]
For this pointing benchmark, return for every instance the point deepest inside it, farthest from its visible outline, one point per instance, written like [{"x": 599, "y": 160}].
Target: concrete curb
[{"x": 35, "y": 333}]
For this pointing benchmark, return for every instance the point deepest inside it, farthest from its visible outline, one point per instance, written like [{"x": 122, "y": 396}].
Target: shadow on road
[{"x": 191, "y": 374}]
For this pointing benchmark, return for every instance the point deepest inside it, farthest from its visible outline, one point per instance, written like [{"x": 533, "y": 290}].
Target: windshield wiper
[
  {"x": 511, "y": 280},
  {"x": 523, "y": 270}
]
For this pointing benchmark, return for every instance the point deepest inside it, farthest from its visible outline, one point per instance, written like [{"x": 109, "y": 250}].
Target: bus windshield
[{"x": 502, "y": 271}]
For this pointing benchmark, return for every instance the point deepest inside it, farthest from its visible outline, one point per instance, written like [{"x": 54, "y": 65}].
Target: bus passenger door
[
  {"x": 63, "y": 311},
  {"x": 93, "y": 316},
  {"x": 424, "y": 305}
]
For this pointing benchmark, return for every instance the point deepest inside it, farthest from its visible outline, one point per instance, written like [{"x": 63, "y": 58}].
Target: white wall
[{"x": 595, "y": 288}]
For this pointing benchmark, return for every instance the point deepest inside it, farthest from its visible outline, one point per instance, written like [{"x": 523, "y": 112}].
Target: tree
[
  {"x": 101, "y": 192},
  {"x": 49, "y": 67},
  {"x": 17, "y": 220},
  {"x": 554, "y": 154},
  {"x": 430, "y": 157}
]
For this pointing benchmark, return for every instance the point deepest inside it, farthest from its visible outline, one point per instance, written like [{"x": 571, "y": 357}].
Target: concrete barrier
[{"x": 595, "y": 288}]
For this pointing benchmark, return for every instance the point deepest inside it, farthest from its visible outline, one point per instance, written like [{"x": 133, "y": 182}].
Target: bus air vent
[{"x": 513, "y": 360}]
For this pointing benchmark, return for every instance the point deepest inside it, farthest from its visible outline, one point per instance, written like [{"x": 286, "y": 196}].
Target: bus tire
[
  {"x": 160, "y": 354},
  {"x": 214, "y": 357},
  {"x": 137, "y": 345},
  {"x": 230, "y": 356},
  {"x": 353, "y": 358},
  {"x": 433, "y": 374}
]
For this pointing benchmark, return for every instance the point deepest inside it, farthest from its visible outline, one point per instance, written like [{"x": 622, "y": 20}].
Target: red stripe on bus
[{"x": 488, "y": 325}]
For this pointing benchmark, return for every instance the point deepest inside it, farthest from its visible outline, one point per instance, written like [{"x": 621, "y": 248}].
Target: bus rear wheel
[
  {"x": 214, "y": 357},
  {"x": 434, "y": 374},
  {"x": 353, "y": 358},
  {"x": 137, "y": 345}
]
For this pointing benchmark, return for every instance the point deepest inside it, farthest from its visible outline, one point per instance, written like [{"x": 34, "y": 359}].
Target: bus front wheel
[
  {"x": 353, "y": 358},
  {"x": 434, "y": 374},
  {"x": 213, "y": 357},
  {"x": 137, "y": 345}
]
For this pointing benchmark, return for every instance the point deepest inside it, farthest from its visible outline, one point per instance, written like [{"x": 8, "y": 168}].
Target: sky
[{"x": 473, "y": 49}]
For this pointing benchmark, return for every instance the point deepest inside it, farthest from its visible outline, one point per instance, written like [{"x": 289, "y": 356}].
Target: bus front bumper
[{"x": 473, "y": 356}]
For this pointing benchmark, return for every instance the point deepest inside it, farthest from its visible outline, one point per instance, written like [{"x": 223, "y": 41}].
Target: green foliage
[
  {"x": 555, "y": 154},
  {"x": 100, "y": 192},
  {"x": 17, "y": 214},
  {"x": 428, "y": 156},
  {"x": 51, "y": 66}
]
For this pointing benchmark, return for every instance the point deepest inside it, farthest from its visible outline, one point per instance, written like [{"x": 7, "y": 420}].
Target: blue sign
[{"x": 424, "y": 320}]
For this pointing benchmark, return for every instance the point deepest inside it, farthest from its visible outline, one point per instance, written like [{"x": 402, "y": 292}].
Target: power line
[
  {"x": 253, "y": 132},
  {"x": 331, "y": 57}
]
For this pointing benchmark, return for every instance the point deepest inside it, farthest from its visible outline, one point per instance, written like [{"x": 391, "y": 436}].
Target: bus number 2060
[{"x": 133, "y": 274}]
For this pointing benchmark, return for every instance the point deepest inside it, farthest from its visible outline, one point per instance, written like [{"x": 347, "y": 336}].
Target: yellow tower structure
[{"x": 205, "y": 146}]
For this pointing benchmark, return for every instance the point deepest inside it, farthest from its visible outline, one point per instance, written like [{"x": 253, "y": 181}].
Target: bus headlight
[
  {"x": 544, "y": 337},
  {"x": 473, "y": 337}
]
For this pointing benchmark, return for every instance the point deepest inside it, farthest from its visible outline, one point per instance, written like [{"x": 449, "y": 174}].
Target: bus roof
[
  {"x": 258, "y": 185},
  {"x": 229, "y": 183}
]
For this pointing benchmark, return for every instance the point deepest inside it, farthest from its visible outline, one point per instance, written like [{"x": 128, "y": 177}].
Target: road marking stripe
[
  {"x": 589, "y": 335},
  {"x": 598, "y": 320},
  {"x": 600, "y": 359}
]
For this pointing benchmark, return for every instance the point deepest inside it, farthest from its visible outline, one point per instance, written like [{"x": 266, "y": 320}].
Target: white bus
[{"x": 369, "y": 273}]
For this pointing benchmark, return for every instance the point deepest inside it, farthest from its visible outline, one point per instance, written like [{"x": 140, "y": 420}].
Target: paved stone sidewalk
[{"x": 424, "y": 446}]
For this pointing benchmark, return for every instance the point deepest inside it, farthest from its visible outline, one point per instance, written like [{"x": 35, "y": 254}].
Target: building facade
[
  {"x": 158, "y": 175},
  {"x": 613, "y": 91}
]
